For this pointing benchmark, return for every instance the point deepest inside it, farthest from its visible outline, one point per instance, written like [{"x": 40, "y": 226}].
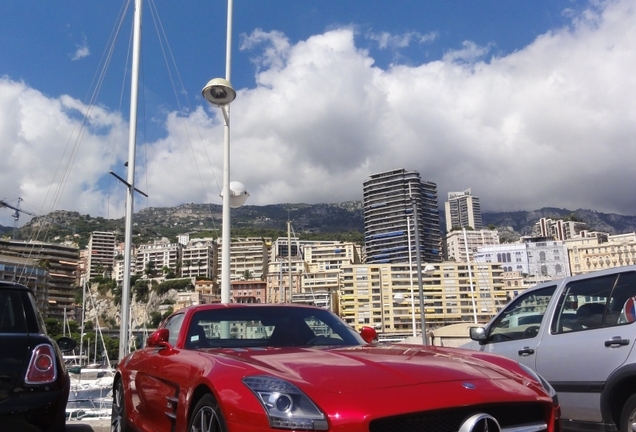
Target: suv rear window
[
  {"x": 12, "y": 319},
  {"x": 594, "y": 303}
]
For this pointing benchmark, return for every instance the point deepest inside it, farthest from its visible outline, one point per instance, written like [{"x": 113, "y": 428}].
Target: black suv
[{"x": 34, "y": 383}]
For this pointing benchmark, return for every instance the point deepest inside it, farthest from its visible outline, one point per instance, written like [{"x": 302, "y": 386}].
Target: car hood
[{"x": 367, "y": 368}]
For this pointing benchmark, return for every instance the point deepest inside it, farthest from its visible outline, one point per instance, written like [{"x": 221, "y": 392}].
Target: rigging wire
[
  {"x": 72, "y": 146},
  {"x": 168, "y": 57}
]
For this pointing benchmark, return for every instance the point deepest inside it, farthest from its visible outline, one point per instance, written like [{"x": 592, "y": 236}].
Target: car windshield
[{"x": 276, "y": 326}]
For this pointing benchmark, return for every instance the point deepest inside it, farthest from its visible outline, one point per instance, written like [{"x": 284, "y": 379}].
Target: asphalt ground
[{"x": 92, "y": 425}]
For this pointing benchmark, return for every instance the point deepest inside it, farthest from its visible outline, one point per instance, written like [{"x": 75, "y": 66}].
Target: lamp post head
[
  {"x": 399, "y": 298},
  {"x": 219, "y": 92},
  {"x": 238, "y": 194},
  {"x": 428, "y": 269}
]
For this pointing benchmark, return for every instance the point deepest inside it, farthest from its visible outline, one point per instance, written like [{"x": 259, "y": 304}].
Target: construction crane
[{"x": 16, "y": 214}]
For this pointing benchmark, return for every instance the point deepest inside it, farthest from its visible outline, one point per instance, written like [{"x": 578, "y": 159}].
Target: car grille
[{"x": 450, "y": 420}]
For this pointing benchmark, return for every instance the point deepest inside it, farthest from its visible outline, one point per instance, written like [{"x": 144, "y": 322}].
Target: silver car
[{"x": 578, "y": 333}]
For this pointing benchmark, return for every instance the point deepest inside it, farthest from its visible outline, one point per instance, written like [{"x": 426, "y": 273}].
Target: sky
[{"x": 529, "y": 104}]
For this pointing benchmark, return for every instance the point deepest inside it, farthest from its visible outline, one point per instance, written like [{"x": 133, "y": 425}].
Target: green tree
[
  {"x": 150, "y": 271},
  {"x": 53, "y": 327},
  {"x": 140, "y": 289},
  {"x": 176, "y": 284}
]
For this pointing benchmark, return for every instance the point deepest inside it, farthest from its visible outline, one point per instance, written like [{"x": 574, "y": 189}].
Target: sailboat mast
[
  {"x": 289, "y": 260},
  {"x": 470, "y": 276},
  {"x": 132, "y": 140},
  {"x": 83, "y": 321}
]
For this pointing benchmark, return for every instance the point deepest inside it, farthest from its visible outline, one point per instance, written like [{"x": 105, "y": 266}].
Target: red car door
[
  {"x": 144, "y": 388},
  {"x": 152, "y": 395}
]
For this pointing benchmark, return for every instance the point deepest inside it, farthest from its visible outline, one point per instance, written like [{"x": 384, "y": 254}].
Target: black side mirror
[{"x": 66, "y": 344}]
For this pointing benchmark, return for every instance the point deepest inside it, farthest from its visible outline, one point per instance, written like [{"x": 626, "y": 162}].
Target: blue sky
[{"x": 525, "y": 102}]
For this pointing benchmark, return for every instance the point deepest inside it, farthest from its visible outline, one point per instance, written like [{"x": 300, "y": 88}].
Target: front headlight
[
  {"x": 287, "y": 407},
  {"x": 544, "y": 383}
]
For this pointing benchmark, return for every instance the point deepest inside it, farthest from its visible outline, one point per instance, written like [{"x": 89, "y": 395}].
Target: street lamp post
[
  {"x": 429, "y": 269},
  {"x": 408, "y": 234},
  {"x": 219, "y": 92},
  {"x": 418, "y": 259}
]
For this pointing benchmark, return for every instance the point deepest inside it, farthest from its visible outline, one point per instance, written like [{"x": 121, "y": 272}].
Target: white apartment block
[
  {"x": 461, "y": 245},
  {"x": 587, "y": 254},
  {"x": 548, "y": 258},
  {"x": 246, "y": 255},
  {"x": 513, "y": 257},
  {"x": 281, "y": 247},
  {"x": 386, "y": 296},
  {"x": 321, "y": 284},
  {"x": 279, "y": 288},
  {"x": 558, "y": 229},
  {"x": 315, "y": 276},
  {"x": 198, "y": 258},
  {"x": 161, "y": 253},
  {"x": 101, "y": 253},
  {"x": 538, "y": 259},
  {"x": 462, "y": 210},
  {"x": 324, "y": 256},
  {"x": 118, "y": 265}
]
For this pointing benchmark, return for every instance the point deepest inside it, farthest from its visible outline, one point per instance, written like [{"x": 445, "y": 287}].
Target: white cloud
[
  {"x": 81, "y": 51},
  {"x": 392, "y": 41},
  {"x": 553, "y": 124}
]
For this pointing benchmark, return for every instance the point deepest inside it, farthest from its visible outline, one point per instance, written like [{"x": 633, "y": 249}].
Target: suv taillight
[{"x": 42, "y": 369}]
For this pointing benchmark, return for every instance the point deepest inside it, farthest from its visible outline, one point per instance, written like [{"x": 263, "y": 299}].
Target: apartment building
[
  {"x": 547, "y": 258},
  {"x": 284, "y": 279},
  {"x": 248, "y": 291},
  {"x": 27, "y": 272},
  {"x": 152, "y": 258},
  {"x": 247, "y": 256},
  {"x": 513, "y": 257},
  {"x": 462, "y": 210},
  {"x": 101, "y": 254},
  {"x": 321, "y": 282},
  {"x": 587, "y": 254},
  {"x": 323, "y": 256},
  {"x": 199, "y": 258},
  {"x": 386, "y": 296},
  {"x": 539, "y": 258},
  {"x": 558, "y": 229},
  {"x": 389, "y": 198},
  {"x": 60, "y": 260},
  {"x": 462, "y": 245}
]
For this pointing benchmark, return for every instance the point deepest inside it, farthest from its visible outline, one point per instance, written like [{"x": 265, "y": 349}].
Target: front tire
[
  {"x": 206, "y": 416},
  {"x": 628, "y": 415},
  {"x": 118, "y": 420}
]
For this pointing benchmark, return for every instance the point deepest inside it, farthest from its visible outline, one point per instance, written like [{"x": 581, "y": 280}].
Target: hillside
[{"x": 342, "y": 221}]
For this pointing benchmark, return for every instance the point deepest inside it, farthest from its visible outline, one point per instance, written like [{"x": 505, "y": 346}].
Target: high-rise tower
[
  {"x": 388, "y": 206},
  {"x": 463, "y": 211}
]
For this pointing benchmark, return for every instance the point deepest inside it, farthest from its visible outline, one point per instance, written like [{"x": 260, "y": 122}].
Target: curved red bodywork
[{"x": 352, "y": 385}]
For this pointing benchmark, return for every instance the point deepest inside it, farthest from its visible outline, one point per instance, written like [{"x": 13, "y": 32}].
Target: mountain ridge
[{"x": 342, "y": 221}]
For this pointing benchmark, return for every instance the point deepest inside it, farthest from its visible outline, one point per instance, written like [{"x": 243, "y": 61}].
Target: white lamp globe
[
  {"x": 238, "y": 194},
  {"x": 398, "y": 298}
]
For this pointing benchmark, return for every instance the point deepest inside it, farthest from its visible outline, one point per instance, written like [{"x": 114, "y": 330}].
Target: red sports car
[{"x": 255, "y": 368}]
